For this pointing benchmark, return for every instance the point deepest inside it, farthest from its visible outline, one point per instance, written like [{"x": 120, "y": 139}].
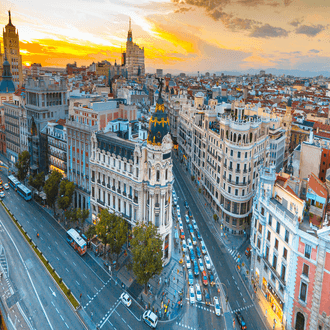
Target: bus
[
  {"x": 76, "y": 241},
  {"x": 24, "y": 192},
  {"x": 13, "y": 181}
]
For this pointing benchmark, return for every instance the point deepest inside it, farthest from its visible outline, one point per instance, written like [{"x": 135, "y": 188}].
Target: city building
[
  {"x": 133, "y": 57},
  {"x": 35, "y": 69},
  {"x": 7, "y": 86},
  {"x": 277, "y": 137},
  {"x": 132, "y": 175},
  {"x": 159, "y": 73},
  {"x": 11, "y": 50}
]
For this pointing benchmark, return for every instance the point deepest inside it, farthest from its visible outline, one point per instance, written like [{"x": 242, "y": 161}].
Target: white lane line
[
  {"x": 49, "y": 248},
  {"x": 95, "y": 288},
  {"x": 244, "y": 300},
  {"x": 77, "y": 282},
  {"x": 48, "y": 234},
  {"x": 53, "y": 304},
  {"x": 107, "y": 318},
  {"x": 66, "y": 325},
  {"x": 228, "y": 282},
  {"x": 57, "y": 311},
  {"x": 238, "y": 304},
  {"x": 61, "y": 317},
  {"x": 74, "y": 263},
  {"x": 57, "y": 258},
  {"x": 65, "y": 253},
  {"x": 67, "y": 270},
  {"x": 89, "y": 297},
  {"x": 85, "y": 275},
  {"x": 123, "y": 320},
  {"x": 56, "y": 243}
]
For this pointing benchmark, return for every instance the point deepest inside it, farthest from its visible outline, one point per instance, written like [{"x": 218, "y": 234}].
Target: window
[
  {"x": 236, "y": 192},
  {"x": 305, "y": 270},
  {"x": 238, "y": 154},
  {"x": 278, "y": 227},
  {"x": 229, "y": 190},
  {"x": 260, "y": 228},
  {"x": 285, "y": 253},
  {"x": 231, "y": 152},
  {"x": 246, "y": 155},
  {"x": 243, "y": 192},
  {"x": 268, "y": 236},
  {"x": 276, "y": 244},
  {"x": 287, "y": 235},
  {"x": 262, "y": 211},
  {"x": 259, "y": 243},
  {"x": 267, "y": 252},
  {"x": 157, "y": 176},
  {"x": 308, "y": 251},
  {"x": 270, "y": 220},
  {"x": 274, "y": 261},
  {"x": 283, "y": 270},
  {"x": 303, "y": 291}
]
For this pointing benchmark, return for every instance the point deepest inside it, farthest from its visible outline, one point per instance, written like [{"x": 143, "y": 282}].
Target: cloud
[
  {"x": 268, "y": 31},
  {"x": 239, "y": 23},
  {"x": 314, "y": 51},
  {"x": 311, "y": 30},
  {"x": 296, "y": 22},
  {"x": 183, "y": 10}
]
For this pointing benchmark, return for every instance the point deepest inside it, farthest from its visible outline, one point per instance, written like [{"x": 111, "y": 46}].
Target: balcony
[
  {"x": 130, "y": 196},
  {"x": 124, "y": 193},
  {"x": 108, "y": 185},
  {"x": 113, "y": 188},
  {"x": 93, "y": 179},
  {"x": 230, "y": 168},
  {"x": 100, "y": 202},
  {"x": 118, "y": 191},
  {"x": 281, "y": 280},
  {"x": 136, "y": 200},
  {"x": 103, "y": 183},
  {"x": 99, "y": 181},
  {"x": 245, "y": 171},
  {"x": 238, "y": 170}
]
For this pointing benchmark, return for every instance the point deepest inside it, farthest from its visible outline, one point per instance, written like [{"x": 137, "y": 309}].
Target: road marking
[
  {"x": 40, "y": 225},
  {"x": 49, "y": 247},
  {"x": 244, "y": 300},
  {"x": 123, "y": 320},
  {"x": 62, "y": 317},
  {"x": 228, "y": 282},
  {"x": 57, "y": 311},
  {"x": 241, "y": 294},
  {"x": 57, "y": 258},
  {"x": 53, "y": 304},
  {"x": 74, "y": 263},
  {"x": 65, "y": 253},
  {"x": 85, "y": 275},
  {"x": 110, "y": 313},
  {"x": 67, "y": 270},
  {"x": 48, "y": 234},
  {"x": 66, "y": 325},
  {"x": 238, "y": 304},
  {"x": 56, "y": 243},
  {"x": 77, "y": 282},
  {"x": 89, "y": 297}
]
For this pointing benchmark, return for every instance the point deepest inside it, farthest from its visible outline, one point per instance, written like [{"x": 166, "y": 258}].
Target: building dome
[
  {"x": 6, "y": 84},
  {"x": 158, "y": 124}
]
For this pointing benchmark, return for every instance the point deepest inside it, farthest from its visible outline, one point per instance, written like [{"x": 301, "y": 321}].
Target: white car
[
  {"x": 193, "y": 238},
  {"x": 216, "y": 306},
  {"x": 178, "y": 208},
  {"x": 201, "y": 266},
  {"x": 2, "y": 194},
  {"x": 6, "y": 186},
  {"x": 203, "y": 247},
  {"x": 184, "y": 245},
  {"x": 207, "y": 262},
  {"x": 175, "y": 201},
  {"x": 181, "y": 225},
  {"x": 187, "y": 218},
  {"x": 190, "y": 246},
  {"x": 125, "y": 299},
  {"x": 194, "y": 224},
  {"x": 188, "y": 261},
  {"x": 192, "y": 295},
  {"x": 198, "y": 293}
]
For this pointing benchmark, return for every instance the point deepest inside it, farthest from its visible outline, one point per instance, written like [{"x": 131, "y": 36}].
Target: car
[
  {"x": 204, "y": 278},
  {"x": 182, "y": 234},
  {"x": 184, "y": 245},
  {"x": 1, "y": 187},
  {"x": 2, "y": 194},
  {"x": 190, "y": 228},
  {"x": 248, "y": 251},
  {"x": 188, "y": 262},
  {"x": 178, "y": 208},
  {"x": 192, "y": 295},
  {"x": 192, "y": 255},
  {"x": 150, "y": 318},
  {"x": 199, "y": 236},
  {"x": 190, "y": 246},
  {"x": 240, "y": 320},
  {"x": 196, "y": 269},
  {"x": 211, "y": 278},
  {"x": 207, "y": 262},
  {"x": 187, "y": 218},
  {"x": 203, "y": 247},
  {"x": 198, "y": 252},
  {"x": 1, "y": 181},
  {"x": 178, "y": 213},
  {"x": 125, "y": 299},
  {"x": 193, "y": 221},
  {"x": 181, "y": 225},
  {"x": 193, "y": 238},
  {"x": 216, "y": 306},
  {"x": 6, "y": 186},
  {"x": 198, "y": 292},
  {"x": 200, "y": 263},
  {"x": 190, "y": 277},
  {"x": 175, "y": 201},
  {"x": 179, "y": 218},
  {"x": 207, "y": 297},
  {"x": 190, "y": 214},
  {"x": 186, "y": 205}
]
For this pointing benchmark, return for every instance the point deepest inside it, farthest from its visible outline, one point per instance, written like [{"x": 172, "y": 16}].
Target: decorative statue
[{"x": 160, "y": 85}]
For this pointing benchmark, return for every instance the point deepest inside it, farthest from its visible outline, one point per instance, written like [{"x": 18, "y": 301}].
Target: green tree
[
  {"x": 215, "y": 217},
  {"x": 82, "y": 215},
  {"x": 104, "y": 226},
  {"x": 91, "y": 232},
  {"x": 71, "y": 215},
  {"x": 51, "y": 188},
  {"x": 147, "y": 253},
  {"x": 119, "y": 235},
  {"x": 23, "y": 165},
  {"x": 65, "y": 195},
  {"x": 37, "y": 181}
]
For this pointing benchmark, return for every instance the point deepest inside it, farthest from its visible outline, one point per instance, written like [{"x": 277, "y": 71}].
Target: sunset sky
[{"x": 178, "y": 35}]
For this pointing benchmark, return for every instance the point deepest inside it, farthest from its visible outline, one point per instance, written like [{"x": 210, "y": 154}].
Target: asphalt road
[{"x": 238, "y": 297}]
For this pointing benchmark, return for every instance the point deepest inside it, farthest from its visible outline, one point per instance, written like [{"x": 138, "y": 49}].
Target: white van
[
  {"x": 203, "y": 247},
  {"x": 150, "y": 318}
]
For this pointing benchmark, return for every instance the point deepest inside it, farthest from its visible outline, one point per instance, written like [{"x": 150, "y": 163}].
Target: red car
[
  {"x": 204, "y": 278},
  {"x": 182, "y": 234}
]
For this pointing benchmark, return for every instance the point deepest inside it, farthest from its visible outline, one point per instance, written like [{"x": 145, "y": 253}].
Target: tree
[
  {"x": 119, "y": 235},
  {"x": 71, "y": 215},
  {"x": 23, "y": 165},
  {"x": 37, "y": 181},
  {"x": 66, "y": 192},
  {"x": 82, "y": 215},
  {"x": 215, "y": 217},
  {"x": 91, "y": 232},
  {"x": 104, "y": 226},
  {"x": 51, "y": 188},
  {"x": 147, "y": 253}
]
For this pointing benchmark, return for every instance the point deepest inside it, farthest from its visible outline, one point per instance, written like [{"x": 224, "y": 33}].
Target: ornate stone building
[
  {"x": 133, "y": 176},
  {"x": 11, "y": 49}
]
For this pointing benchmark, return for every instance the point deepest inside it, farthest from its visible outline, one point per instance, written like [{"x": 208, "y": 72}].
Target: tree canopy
[
  {"x": 37, "y": 181},
  {"x": 23, "y": 165},
  {"x": 147, "y": 253},
  {"x": 51, "y": 187},
  {"x": 65, "y": 194}
]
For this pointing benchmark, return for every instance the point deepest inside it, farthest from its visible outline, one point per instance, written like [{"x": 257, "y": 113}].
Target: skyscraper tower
[{"x": 11, "y": 48}]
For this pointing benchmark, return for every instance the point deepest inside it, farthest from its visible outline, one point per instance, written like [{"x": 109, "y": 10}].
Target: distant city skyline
[{"x": 186, "y": 35}]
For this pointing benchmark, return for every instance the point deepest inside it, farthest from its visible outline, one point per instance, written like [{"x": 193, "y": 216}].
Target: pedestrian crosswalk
[
  {"x": 201, "y": 307},
  {"x": 242, "y": 308},
  {"x": 234, "y": 254}
]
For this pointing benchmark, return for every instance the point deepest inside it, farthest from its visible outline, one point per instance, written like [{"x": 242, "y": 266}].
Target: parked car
[
  {"x": 207, "y": 297},
  {"x": 190, "y": 277},
  {"x": 188, "y": 261},
  {"x": 193, "y": 238},
  {"x": 150, "y": 318},
  {"x": 190, "y": 246},
  {"x": 240, "y": 320},
  {"x": 181, "y": 225},
  {"x": 198, "y": 252},
  {"x": 216, "y": 306},
  {"x": 196, "y": 269},
  {"x": 184, "y": 246},
  {"x": 187, "y": 218},
  {"x": 2, "y": 194},
  {"x": 175, "y": 201},
  {"x": 192, "y": 255},
  {"x": 186, "y": 205},
  {"x": 198, "y": 292},
  {"x": 125, "y": 299},
  {"x": 248, "y": 251},
  {"x": 6, "y": 186},
  {"x": 204, "y": 278},
  {"x": 182, "y": 234},
  {"x": 192, "y": 295},
  {"x": 207, "y": 262},
  {"x": 190, "y": 214},
  {"x": 211, "y": 278},
  {"x": 190, "y": 228},
  {"x": 199, "y": 236},
  {"x": 203, "y": 247},
  {"x": 200, "y": 263},
  {"x": 194, "y": 224}
]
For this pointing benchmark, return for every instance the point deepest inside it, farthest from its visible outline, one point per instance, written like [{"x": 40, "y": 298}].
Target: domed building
[{"x": 7, "y": 86}]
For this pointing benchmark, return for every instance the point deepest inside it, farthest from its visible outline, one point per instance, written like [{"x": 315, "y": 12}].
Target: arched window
[
  {"x": 166, "y": 175},
  {"x": 250, "y": 138},
  {"x": 227, "y": 134},
  {"x": 300, "y": 321},
  {"x": 234, "y": 137},
  {"x": 244, "y": 138},
  {"x": 157, "y": 175},
  {"x": 239, "y": 138}
]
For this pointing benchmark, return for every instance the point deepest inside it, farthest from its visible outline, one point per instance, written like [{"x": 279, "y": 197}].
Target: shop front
[{"x": 273, "y": 299}]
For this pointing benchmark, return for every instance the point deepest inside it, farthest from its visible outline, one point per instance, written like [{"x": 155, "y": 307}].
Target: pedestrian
[
  {"x": 80, "y": 295},
  {"x": 177, "y": 280},
  {"x": 266, "y": 313}
]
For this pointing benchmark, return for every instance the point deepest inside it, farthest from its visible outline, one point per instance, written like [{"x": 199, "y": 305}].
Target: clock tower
[{"x": 11, "y": 49}]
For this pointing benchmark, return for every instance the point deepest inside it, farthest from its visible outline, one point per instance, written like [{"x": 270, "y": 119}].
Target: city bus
[
  {"x": 13, "y": 181},
  {"x": 24, "y": 192},
  {"x": 76, "y": 241}
]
